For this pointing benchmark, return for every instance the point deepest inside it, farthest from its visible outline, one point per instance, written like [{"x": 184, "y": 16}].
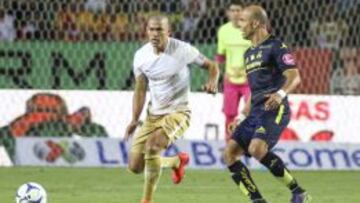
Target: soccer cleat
[
  {"x": 178, "y": 173},
  {"x": 145, "y": 201},
  {"x": 301, "y": 198}
]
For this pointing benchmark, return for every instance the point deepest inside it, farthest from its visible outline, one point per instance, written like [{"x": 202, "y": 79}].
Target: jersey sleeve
[
  {"x": 284, "y": 58},
  {"x": 200, "y": 60},
  {"x": 191, "y": 53},
  {"x": 136, "y": 66}
]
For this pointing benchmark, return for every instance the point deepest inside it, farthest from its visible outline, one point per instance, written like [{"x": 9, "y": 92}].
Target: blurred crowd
[
  {"x": 327, "y": 23},
  {"x": 92, "y": 20}
]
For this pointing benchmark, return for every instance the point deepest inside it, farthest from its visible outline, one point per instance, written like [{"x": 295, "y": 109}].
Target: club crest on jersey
[{"x": 288, "y": 59}]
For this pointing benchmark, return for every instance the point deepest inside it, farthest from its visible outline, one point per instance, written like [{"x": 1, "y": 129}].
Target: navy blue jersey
[{"x": 265, "y": 64}]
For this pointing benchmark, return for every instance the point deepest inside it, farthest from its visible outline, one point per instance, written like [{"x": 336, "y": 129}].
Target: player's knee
[
  {"x": 155, "y": 144},
  {"x": 153, "y": 148},
  {"x": 229, "y": 156},
  {"x": 136, "y": 162},
  {"x": 258, "y": 152},
  {"x": 135, "y": 168}
]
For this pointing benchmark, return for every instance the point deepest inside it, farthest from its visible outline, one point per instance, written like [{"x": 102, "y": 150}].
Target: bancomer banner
[
  {"x": 107, "y": 113},
  {"x": 107, "y": 152}
]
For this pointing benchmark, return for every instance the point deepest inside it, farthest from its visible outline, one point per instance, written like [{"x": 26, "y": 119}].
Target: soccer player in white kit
[{"x": 162, "y": 65}]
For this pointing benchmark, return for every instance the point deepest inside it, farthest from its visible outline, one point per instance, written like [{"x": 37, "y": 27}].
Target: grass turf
[{"x": 97, "y": 185}]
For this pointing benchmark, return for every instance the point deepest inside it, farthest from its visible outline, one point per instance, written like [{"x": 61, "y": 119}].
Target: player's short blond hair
[
  {"x": 160, "y": 18},
  {"x": 258, "y": 13}
]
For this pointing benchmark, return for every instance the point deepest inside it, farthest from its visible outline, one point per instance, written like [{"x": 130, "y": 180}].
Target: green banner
[{"x": 63, "y": 65}]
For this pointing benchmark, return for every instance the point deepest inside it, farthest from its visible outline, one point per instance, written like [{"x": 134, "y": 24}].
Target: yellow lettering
[
  {"x": 248, "y": 183},
  {"x": 253, "y": 65},
  {"x": 259, "y": 55},
  {"x": 252, "y": 57}
]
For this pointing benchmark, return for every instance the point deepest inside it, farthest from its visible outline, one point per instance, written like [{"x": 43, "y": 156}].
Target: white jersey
[{"x": 168, "y": 74}]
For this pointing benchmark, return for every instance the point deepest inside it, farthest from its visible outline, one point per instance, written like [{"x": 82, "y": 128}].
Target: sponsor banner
[
  {"x": 103, "y": 65},
  {"x": 314, "y": 118},
  {"x": 113, "y": 152},
  {"x": 61, "y": 65},
  {"x": 4, "y": 158},
  {"x": 81, "y": 65}
]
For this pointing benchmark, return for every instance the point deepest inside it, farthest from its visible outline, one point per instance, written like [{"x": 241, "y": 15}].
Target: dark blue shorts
[{"x": 265, "y": 125}]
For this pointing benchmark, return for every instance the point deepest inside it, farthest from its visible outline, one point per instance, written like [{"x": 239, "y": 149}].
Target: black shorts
[{"x": 261, "y": 124}]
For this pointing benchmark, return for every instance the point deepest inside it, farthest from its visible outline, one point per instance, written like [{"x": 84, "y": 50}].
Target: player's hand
[
  {"x": 210, "y": 87},
  {"x": 232, "y": 126},
  {"x": 130, "y": 129},
  {"x": 273, "y": 102}
]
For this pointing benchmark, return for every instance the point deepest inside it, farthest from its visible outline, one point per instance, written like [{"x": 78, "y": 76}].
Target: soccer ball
[{"x": 31, "y": 193}]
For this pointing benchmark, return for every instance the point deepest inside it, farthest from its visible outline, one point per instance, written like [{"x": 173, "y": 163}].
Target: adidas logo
[{"x": 261, "y": 130}]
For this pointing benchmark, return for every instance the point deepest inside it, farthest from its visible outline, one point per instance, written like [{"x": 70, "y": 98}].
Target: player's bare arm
[
  {"x": 242, "y": 116},
  {"x": 220, "y": 61},
  {"x": 293, "y": 79},
  {"x": 138, "y": 104},
  {"x": 213, "y": 79},
  {"x": 247, "y": 107}
]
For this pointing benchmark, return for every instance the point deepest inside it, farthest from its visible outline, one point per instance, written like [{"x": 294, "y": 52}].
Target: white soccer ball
[{"x": 31, "y": 193}]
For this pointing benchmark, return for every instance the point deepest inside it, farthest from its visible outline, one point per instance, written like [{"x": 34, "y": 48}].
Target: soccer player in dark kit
[{"x": 272, "y": 74}]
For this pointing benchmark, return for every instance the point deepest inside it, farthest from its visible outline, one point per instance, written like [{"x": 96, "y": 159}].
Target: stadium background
[{"x": 65, "y": 72}]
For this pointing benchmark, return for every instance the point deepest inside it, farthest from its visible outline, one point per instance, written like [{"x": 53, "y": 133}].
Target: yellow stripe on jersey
[{"x": 280, "y": 114}]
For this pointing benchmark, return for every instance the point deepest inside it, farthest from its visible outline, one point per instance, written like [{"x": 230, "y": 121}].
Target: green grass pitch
[{"x": 97, "y": 185}]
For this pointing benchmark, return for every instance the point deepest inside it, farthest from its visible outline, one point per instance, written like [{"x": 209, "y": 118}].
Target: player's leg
[
  {"x": 277, "y": 167},
  {"x": 245, "y": 92},
  {"x": 137, "y": 150},
  {"x": 240, "y": 173},
  {"x": 230, "y": 106},
  {"x": 170, "y": 127},
  {"x": 155, "y": 144},
  {"x": 175, "y": 125},
  {"x": 136, "y": 162},
  {"x": 170, "y": 162},
  {"x": 266, "y": 136},
  {"x": 259, "y": 149}
]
